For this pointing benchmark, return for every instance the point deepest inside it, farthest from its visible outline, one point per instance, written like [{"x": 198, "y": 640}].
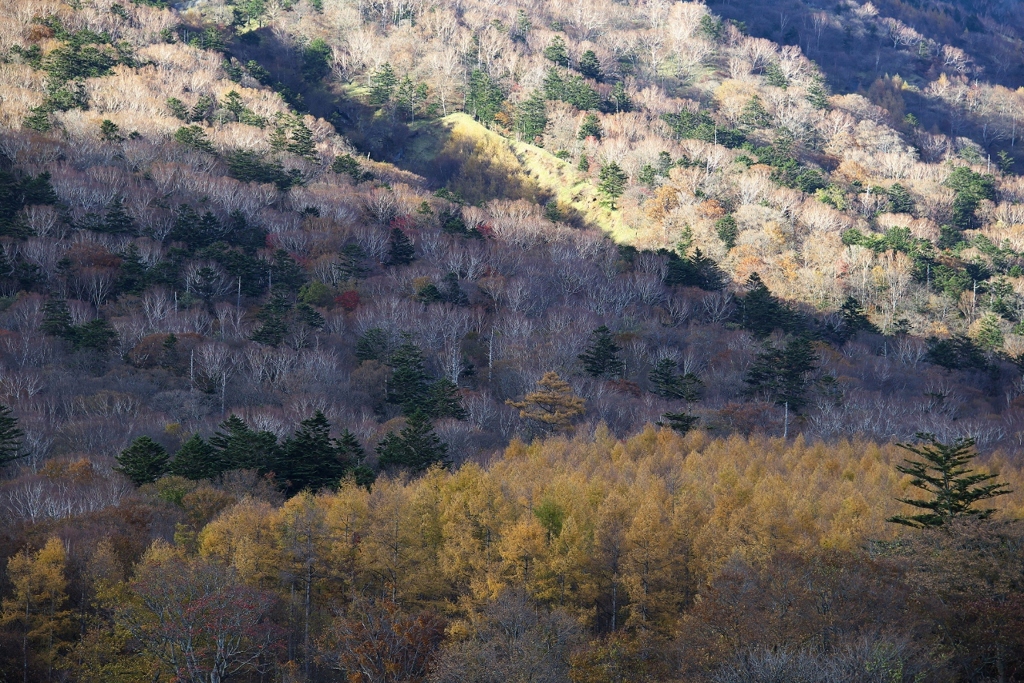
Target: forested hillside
[{"x": 380, "y": 327}]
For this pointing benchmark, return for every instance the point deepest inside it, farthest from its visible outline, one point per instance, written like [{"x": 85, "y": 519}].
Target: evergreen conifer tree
[
  {"x": 10, "y": 437},
  {"x": 900, "y": 200},
  {"x": 953, "y": 487},
  {"x": 415, "y": 448},
  {"x": 302, "y": 140},
  {"x": 854, "y": 319},
  {"x": 621, "y": 98},
  {"x": 195, "y": 460},
  {"x": 144, "y": 461},
  {"x": 310, "y": 459},
  {"x": 56, "y": 318},
  {"x": 402, "y": 251},
  {"x": 679, "y": 422},
  {"x": 409, "y": 386},
  {"x": 782, "y": 373},
  {"x": 444, "y": 400},
  {"x": 351, "y": 455},
  {"x": 601, "y": 357},
  {"x": 373, "y": 344},
  {"x": 554, "y": 85},
  {"x": 591, "y": 127},
  {"x": 667, "y": 383},
  {"x": 483, "y": 97},
  {"x": 590, "y": 65},
  {"x": 382, "y": 84},
  {"x": 612, "y": 183},
  {"x": 557, "y": 52},
  {"x": 760, "y": 311},
  {"x": 240, "y": 447},
  {"x": 727, "y": 230},
  {"x": 531, "y": 117}
]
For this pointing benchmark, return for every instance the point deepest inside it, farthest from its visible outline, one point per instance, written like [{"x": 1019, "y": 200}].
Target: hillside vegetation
[{"x": 538, "y": 341}]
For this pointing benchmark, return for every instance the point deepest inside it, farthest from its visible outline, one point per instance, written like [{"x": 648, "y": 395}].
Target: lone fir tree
[
  {"x": 601, "y": 357},
  {"x": 668, "y": 383},
  {"x": 953, "y": 487},
  {"x": 415, "y": 448},
  {"x": 144, "y": 461},
  {"x": 10, "y": 437}
]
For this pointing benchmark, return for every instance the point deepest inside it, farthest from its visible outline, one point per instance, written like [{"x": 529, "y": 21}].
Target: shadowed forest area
[{"x": 544, "y": 341}]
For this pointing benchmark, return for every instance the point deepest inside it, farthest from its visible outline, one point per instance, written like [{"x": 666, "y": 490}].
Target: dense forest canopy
[{"x": 548, "y": 341}]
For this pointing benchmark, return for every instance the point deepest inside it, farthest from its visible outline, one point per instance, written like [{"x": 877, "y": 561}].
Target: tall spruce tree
[
  {"x": 310, "y": 457},
  {"x": 144, "y": 461},
  {"x": 668, "y": 383},
  {"x": 401, "y": 252},
  {"x": 56, "y": 318},
  {"x": 612, "y": 183},
  {"x": 782, "y": 375},
  {"x": 531, "y": 117},
  {"x": 415, "y": 448},
  {"x": 953, "y": 488},
  {"x": 679, "y": 422},
  {"x": 591, "y": 127},
  {"x": 601, "y": 357},
  {"x": 760, "y": 312},
  {"x": 557, "y": 52},
  {"x": 195, "y": 460},
  {"x": 590, "y": 65},
  {"x": 10, "y": 437},
  {"x": 240, "y": 447},
  {"x": 409, "y": 386}
]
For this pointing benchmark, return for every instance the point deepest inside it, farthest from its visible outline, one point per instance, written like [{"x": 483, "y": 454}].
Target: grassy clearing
[{"x": 481, "y": 164}]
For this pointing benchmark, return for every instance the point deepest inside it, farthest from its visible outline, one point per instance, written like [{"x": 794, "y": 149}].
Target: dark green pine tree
[
  {"x": 116, "y": 221},
  {"x": 382, "y": 85},
  {"x": 554, "y": 85},
  {"x": 195, "y": 460},
  {"x": 782, "y": 374},
  {"x": 56, "y": 318},
  {"x": 760, "y": 312},
  {"x": 531, "y": 117},
  {"x": 601, "y": 357},
  {"x": 144, "y": 461},
  {"x": 611, "y": 183},
  {"x": 620, "y": 98},
  {"x": 415, "y": 448},
  {"x": 697, "y": 270},
  {"x": 402, "y": 251},
  {"x": 953, "y": 487},
  {"x": 900, "y": 200},
  {"x": 10, "y": 437},
  {"x": 680, "y": 422},
  {"x": 727, "y": 230},
  {"x": 754, "y": 114},
  {"x": 590, "y": 66},
  {"x": 409, "y": 387},
  {"x": 590, "y": 128},
  {"x": 557, "y": 52},
  {"x": 668, "y": 383},
  {"x": 351, "y": 455},
  {"x": 310, "y": 458},
  {"x": 238, "y": 447},
  {"x": 483, "y": 97},
  {"x": 444, "y": 400},
  {"x": 302, "y": 140},
  {"x": 854, "y": 320},
  {"x": 131, "y": 275},
  {"x": 373, "y": 344}
]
